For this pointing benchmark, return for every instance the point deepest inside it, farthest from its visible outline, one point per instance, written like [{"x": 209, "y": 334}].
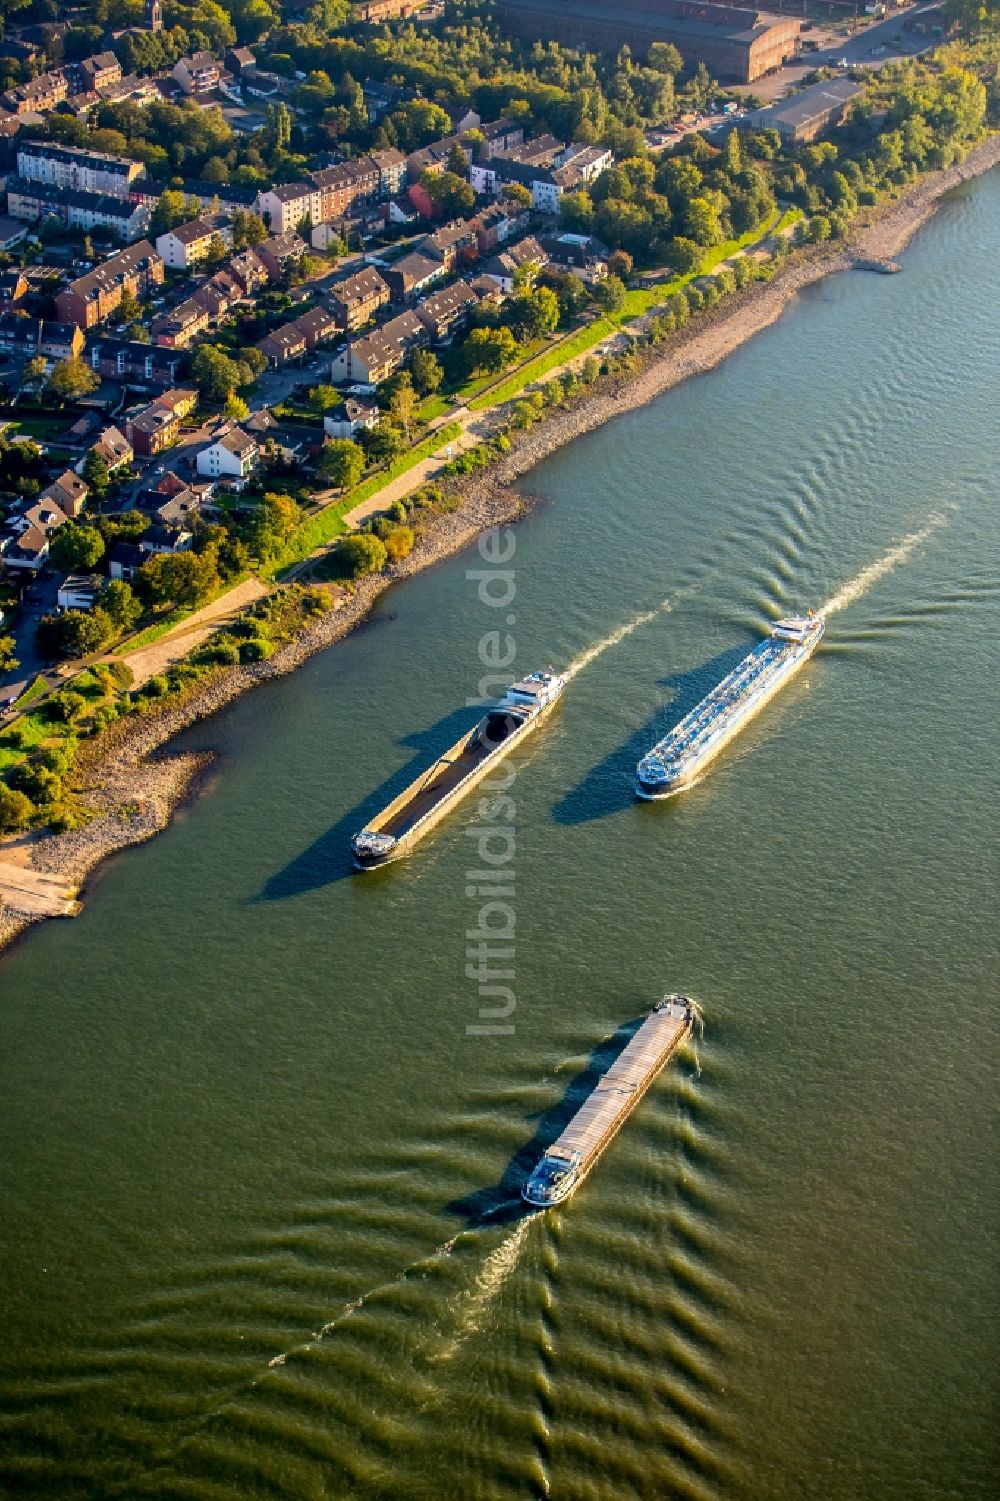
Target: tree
[
  {"x": 181, "y": 578},
  {"x": 457, "y": 161},
  {"x": 517, "y": 193},
  {"x": 76, "y": 546},
  {"x": 169, "y": 211},
  {"x": 95, "y": 471},
  {"x": 35, "y": 370},
  {"x": 359, "y": 554},
  {"x": 702, "y": 222},
  {"x": 609, "y": 294},
  {"x": 489, "y": 349},
  {"x": 72, "y": 379},
  {"x": 684, "y": 255},
  {"x": 426, "y": 370},
  {"x": 215, "y": 374},
  {"x": 16, "y": 810},
  {"x": 323, "y": 399},
  {"x": 236, "y": 408},
  {"x": 249, "y": 229},
  {"x": 74, "y": 633},
  {"x": 273, "y": 521},
  {"x": 342, "y": 463},
  {"x": 534, "y": 314},
  {"x": 620, "y": 264},
  {"x": 450, "y": 195},
  {"x": 129, "y": 309},
  {"x": 572, "y": 296},
  {"x": 8, "y": 658},
  {"x": 403, "y": 402},
  {"x": 119, "y": 601},
  {"x": 398, "y": 543},
  {"x": 382, "y": 444}
]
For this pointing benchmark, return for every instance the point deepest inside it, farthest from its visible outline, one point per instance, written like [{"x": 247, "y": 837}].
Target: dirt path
[{"x": 189, "y": 633}]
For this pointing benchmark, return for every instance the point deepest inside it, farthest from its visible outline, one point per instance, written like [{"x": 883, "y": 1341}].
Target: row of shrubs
[{"x": 38, "y": 790}]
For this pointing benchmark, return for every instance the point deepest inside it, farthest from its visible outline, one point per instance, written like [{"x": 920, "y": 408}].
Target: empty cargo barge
[
  {"x": 676, "y": 761},
  {"x": 405, "y": 821},
  {"x": 570, "y": 1158}
]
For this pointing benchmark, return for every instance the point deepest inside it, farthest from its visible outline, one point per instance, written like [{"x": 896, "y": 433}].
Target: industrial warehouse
[{"x": 736, "y": 44}]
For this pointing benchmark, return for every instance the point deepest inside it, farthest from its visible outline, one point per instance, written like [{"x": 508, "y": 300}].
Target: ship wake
[{"x": 869, "y": 575}]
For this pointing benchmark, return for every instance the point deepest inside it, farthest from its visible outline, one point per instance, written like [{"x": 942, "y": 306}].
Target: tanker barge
[
  {"x": 392, "y": 833},
  {"x": 571, "y": 1156},
  {"x": 675, "y": 762}
]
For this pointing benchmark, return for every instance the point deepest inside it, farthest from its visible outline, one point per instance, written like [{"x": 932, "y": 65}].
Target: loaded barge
[
  {"x": 392, "y": 833},
  {"x": 675, "y": 762},
  {"x": 571, "y": 1156}
]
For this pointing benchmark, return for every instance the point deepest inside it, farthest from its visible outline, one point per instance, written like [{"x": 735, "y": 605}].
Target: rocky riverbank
[{"x": 133, "y": 790}]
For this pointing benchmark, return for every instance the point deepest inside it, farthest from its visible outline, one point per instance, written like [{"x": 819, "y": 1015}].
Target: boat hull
[
  {"x": 454, "y": 795},
  {"x": 728, "y": 729}
]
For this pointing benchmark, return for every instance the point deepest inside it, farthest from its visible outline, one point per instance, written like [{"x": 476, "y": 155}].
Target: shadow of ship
[
  {"x": 502, "y": 1202},
  {"x": 329, "y": 857}
]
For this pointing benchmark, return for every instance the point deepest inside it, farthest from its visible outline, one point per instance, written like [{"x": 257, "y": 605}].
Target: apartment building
[
  {"x": 284, "y": 207},
  {"x": 92, "y": 298},
  {"x": 381, "y": 353},
  {"x": 75, "y": 167},
  {"x": 355, "y": 300},
  {"x": 197, "y": 74},
  {"x": 187, "y": 244}
]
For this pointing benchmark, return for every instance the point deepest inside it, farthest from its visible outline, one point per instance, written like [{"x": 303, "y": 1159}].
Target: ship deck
[
  {"x": 625, "y": 1081},
  {"x": 446, "y": 774}
]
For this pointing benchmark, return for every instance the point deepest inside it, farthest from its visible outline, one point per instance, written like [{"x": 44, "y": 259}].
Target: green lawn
[
  {"x": 638, "y": 302},
  {"x": 329, "y": 522},
  {"x": 158, "y": 628},
  {"x": 431, "y": 407},
  {"x": 37, "y": 688},
  {"x": 30, "y": 731}
]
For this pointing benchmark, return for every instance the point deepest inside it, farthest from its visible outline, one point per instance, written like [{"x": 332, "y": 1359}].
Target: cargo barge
[
  {"x": 675, "y": 762},
  {"x": 392, "y": 833},
  {"x": 571, "y": 1156}
]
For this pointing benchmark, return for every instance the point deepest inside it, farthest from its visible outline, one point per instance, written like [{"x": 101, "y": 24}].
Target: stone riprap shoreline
[{"x": 133, "y": 791}]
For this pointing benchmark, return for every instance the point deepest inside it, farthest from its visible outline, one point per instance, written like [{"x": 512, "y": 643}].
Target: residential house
[
  {"x": 197, "y": 74},
  {"x": 582, "y": 254},
  {"x": 127, "y": 359},
  {"x": 376, "y": 356},
  {"x": 391, "y": 165},
  {"x": 446, "y": 313},
  {"x": 351, "y": 417},
  {"x": 12, "y": 232},
  {"x": 124, "y": 561},
  {"x": 380, "y": 99},
  {"x": 76, "y": 167},
  {"x": 157, "y": 425},
  {"x": 181, "y": 326},
  {"x": 13, "y": 290},
  {"x": 355, "y": 300},
  {"x": 218, "y": 295},
  {"x": 258, "y": 84},
  {"x": 20, "y": 334},
  {"x": 588, "y": 161},
  {"x": 131, "y": 89},
  {"x": 434, "y": 157},
  {"x": 38, "y": 96},
  {"x": 238, "y": 58},
  {"x": 498, "y": 223},
  {"x": 43, "y": 516},
  {"x": 283, "y": 344},
  {"x": 346, "y": 187},
  {"x": 114, "y": 448},
  {"x": 28, "y": 550},
  {"x": 317, "y": 326},
  {"x": 187, "y": 244},
  {"x": 247, "y": 268},
  {"x": 74, "y": 208},
  {"x": 280, "y": 253},
  {"x": 68, "y": 493},
  {"x": 164, "y": 539},
  {"x": 100, "y": 71},
  {"x": 283, "y": 208},
  {"x": 499, "y": 135},
  {"x": 502, "y": 269},
  {"x": 233, "y": 456},
  {"x": 90, "y": 299},
  {"x": 452, "y": 244},
  {"x": 413, "y": 274},
  {"x": 376, "y": 11},
  {"x": 79, "y": 591}
]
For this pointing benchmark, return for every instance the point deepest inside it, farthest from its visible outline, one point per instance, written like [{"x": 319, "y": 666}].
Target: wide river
[{"x": 261, "y": 1151}]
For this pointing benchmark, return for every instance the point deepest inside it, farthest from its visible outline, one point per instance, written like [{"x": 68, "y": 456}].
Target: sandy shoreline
[{"x": 134, "y": 791}]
